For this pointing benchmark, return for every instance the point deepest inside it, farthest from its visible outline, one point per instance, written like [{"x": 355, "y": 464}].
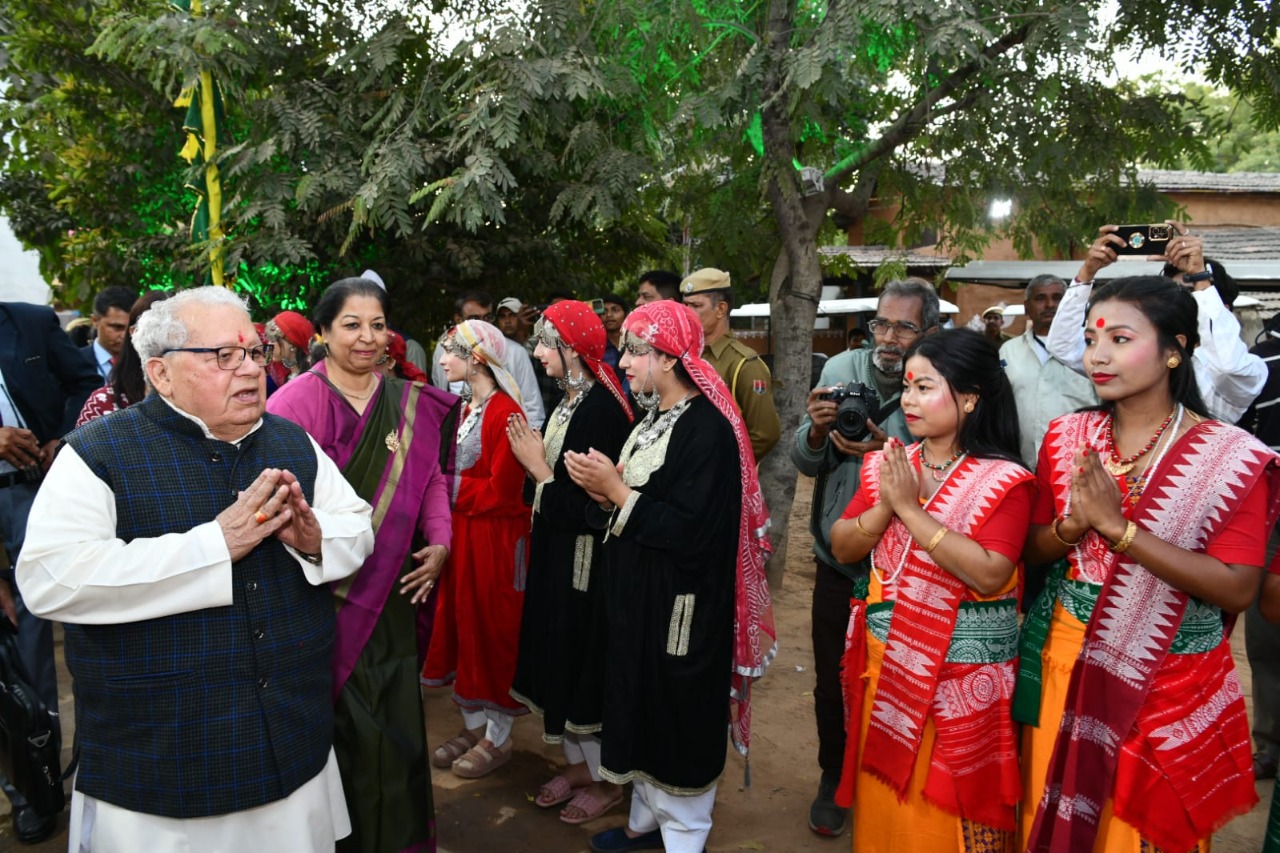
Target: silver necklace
[
  {"x": 654, "y": 426},
  {"x": 564, "y": 411},
  {"x": 473, "y": 417}
]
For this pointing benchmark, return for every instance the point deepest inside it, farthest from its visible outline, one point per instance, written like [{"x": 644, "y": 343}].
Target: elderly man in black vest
[{"x": 187, "y": 543}]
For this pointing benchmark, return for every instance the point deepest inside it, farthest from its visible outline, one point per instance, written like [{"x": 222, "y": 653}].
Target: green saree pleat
[{"x": 379, "y": 735}]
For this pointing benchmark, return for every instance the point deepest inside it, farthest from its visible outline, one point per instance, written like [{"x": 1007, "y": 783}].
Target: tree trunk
[{"x": 797, "y": 283}]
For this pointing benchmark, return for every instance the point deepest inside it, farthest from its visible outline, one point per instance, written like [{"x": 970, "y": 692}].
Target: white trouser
[
  {"x": 496, "y": 724},
  {"x": 685, "y": 821},
  {"x": 583, "y": 749}
]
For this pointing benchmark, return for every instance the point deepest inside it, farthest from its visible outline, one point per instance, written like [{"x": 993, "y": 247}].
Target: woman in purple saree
[{"x": 394, "y": 442}]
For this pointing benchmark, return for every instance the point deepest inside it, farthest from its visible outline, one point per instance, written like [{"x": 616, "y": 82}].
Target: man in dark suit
[
  {"x": 44, "y": 381},
  {"x": 111, "y": 310}
]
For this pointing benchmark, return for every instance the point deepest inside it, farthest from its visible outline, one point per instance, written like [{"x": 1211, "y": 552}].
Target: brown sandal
[
  {"x": 454, "y": 748},
  {"x": 482, "y": 759}
]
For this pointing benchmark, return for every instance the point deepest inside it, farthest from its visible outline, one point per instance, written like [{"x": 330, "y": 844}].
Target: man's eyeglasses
[
  {"x": 229, "y": 358},
  {"x": 882, "y": 328}
]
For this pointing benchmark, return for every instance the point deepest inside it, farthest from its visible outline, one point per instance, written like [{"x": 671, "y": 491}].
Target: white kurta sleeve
[
  {"x": 1066, "y": 334},
  {"x": 520, "y": 365},
  {"x": 74, "y": 568},
  {"x": 344, "y": 524},
  {"x": 1229, "y": 376}
]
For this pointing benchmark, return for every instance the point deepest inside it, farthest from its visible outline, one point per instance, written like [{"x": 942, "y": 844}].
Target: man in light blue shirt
[{"x": 110, "y": 317}]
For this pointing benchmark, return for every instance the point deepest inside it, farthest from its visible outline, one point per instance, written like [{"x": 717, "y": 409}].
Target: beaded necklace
[
  {"x": 939, "y": 472},
  {"x": 906, "y": 551},
  {"x": 1124, "y": 466}
]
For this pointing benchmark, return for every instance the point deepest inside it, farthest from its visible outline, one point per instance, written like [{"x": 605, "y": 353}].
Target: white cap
[
  {"x": 375, "y": 278},
  {"x": 511, "y": 304}
]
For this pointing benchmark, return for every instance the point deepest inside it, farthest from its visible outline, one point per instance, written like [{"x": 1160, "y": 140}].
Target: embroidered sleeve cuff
[
  {"x": 624, "y": 514},
  {"x": 537, "y": 494}
]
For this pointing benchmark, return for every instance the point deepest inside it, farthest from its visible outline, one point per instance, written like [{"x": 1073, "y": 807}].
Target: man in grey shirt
[{"x": 907, "y": 310}]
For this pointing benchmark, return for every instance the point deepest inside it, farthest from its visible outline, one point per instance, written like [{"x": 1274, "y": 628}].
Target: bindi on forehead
[
  {"x": 1101, "y": 323},
  {"x": 910, "y": 375},
  {"x": 240, "y": 337}
]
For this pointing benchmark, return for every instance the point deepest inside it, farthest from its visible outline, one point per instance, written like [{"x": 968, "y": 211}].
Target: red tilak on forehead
[
  {"x": 1101, "y": 322},
  {"x": 910, "y": 375},
  {"x": 240, "y": 337}
]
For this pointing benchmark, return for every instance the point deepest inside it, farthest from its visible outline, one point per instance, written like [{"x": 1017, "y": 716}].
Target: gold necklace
[{"x": 352, "y": 394}]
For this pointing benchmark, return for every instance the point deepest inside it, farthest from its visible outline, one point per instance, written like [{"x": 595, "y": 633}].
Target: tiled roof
[
  {"x": 1167, "y": 181},
  {"x": 1241, "y": 244},
  {"x": 874, "y": 256}
]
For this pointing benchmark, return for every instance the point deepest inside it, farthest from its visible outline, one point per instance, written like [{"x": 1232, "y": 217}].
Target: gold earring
[
  {"x": 1173, "y": 362},
  {"x": 968, "y": 407}
]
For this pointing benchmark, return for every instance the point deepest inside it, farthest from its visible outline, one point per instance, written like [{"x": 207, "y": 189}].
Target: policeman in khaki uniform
[{"x": 707, "y": 292}]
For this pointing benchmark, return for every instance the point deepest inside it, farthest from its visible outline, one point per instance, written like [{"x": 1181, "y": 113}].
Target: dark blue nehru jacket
[{"x": 216, "y": 710}]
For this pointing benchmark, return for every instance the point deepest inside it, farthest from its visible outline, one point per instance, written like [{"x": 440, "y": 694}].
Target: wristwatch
[
  {"x": 313, "y": 559},
  {"x": 1207, "y": 275}
]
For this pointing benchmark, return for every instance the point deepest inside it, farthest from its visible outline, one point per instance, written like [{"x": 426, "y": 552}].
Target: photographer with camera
[
  {"x": 852, "y": 411},
  {"x": 1228, "y": 376}
]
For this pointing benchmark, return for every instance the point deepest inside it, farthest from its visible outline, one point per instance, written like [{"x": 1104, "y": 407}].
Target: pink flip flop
[
  {"x": 590, "y": 805},
  {"x": 555, "y": 792}
]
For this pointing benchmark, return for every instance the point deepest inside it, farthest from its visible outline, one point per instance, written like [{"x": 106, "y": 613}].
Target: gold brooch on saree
[{"x": 393, "y": 441}]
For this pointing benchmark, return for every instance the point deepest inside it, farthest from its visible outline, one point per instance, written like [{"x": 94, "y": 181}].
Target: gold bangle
[
  {"x": 1053, "y": 528},
  {"x": 857, "y": 522},
  {"x": 937, "y": 537},
  {"x": 1130, "y": 533}
]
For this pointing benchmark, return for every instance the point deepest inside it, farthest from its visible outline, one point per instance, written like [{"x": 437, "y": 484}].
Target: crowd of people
[{"x": 1029, "y": 554}]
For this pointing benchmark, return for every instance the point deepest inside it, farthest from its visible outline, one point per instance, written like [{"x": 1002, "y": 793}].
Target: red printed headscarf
[
  {"x": 674, "y": 329},
  {"x": 398, "y": 352},
  {"x": 581, "y": 331}
]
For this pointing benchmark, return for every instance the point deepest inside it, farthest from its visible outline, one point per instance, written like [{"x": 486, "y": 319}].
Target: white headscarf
[{"x": 487, "y": 343}]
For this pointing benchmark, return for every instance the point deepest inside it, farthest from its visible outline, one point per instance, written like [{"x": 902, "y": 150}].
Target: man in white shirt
[
  {"x": 1229, "y": 377},
  {"x": 477, "y": 305},
  {"x": 110, "y": 318},
  {"x": 187, "y": 544},
  {"x": 1043, "y": 387}
]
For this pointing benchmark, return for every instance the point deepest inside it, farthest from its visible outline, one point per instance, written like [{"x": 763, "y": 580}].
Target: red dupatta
[
  {"x": 1130, "y": 705},
  {"x": 673, "y": 328}
]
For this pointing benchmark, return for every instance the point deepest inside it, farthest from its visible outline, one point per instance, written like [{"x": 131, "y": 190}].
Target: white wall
[{"x": 20, "y": 279}]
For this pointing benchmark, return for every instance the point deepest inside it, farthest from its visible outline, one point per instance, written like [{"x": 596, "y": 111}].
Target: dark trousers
[
  {"x": 1262, "y": 645},
  {"x": 830, "y": 617},
  {"x": 35, "y": 635}
]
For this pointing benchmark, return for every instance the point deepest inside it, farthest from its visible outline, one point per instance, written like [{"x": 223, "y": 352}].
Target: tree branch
[{"x": 918, "y": 117}]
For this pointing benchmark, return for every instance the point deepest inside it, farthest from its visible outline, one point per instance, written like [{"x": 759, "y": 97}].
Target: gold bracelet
[
  {"x": 937, "y": 537},
  {"x": 857, "y": 522},
  {"x": 1053, "y": 528},
  {"x": 1126, "y": 540}
]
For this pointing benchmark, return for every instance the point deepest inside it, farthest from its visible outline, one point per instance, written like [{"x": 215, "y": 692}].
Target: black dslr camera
[{"x": 855, "y": 405}]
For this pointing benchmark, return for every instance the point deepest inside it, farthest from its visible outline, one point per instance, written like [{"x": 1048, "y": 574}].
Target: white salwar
[
  {"x": 583, "y": 749},
  {"x": 685, "y": 821},
  {"x": 75, "y": 569}
]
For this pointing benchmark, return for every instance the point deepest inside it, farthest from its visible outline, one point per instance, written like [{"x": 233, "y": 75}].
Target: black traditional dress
[
  {"x": 560, "y": 669},
  {"x": 669, "y": 579}
]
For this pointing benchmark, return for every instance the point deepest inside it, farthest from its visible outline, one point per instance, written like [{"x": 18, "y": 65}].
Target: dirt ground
[{"x": 498, "y": 813}]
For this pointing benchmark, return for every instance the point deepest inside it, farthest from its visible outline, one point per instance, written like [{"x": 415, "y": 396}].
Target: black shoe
[
  {"x": 30, "y": 826},
  {"x": 1264, "y": 765},
  {"x": 616, "y": 840},
  {"x": 825, "y": 817}
]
